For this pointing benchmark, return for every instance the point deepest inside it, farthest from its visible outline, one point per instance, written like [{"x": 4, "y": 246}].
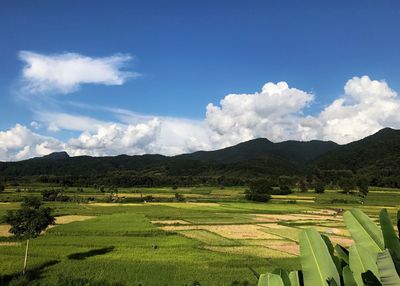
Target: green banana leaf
[
  {"x": 284, "y": 275},
  {"x": 363, "y": 230},
  {"x": 398, "y": 222},
  {"x": 361, "y": 260},
  {"x": 389, "y": 236},
  {"x": 295, "y": 278},
  {"x": 270, "y": 279},
  {"x": 348, "y": 277},
  {"x": 342, "y": 252},
  {"x": 317, "y": 264},
  {"x": 331, "y": 250},
  {"x": 387, "y": 271}
]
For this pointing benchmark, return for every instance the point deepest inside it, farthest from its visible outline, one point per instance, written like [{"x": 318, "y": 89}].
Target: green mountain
[{"x": 376, "y": 156}]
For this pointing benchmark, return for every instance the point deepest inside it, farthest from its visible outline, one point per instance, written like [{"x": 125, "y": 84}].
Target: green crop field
[{"x": 211, "y": 238}]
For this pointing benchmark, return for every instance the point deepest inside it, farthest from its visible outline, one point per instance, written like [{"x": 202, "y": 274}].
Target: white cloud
[
  {"x": 19, "y": 143},
  {"x": 275, "y": 113},
  {"x": 114, "y": 139},
  {"x": 367, "y": 106},
  {"x": 64, "y": 73}
]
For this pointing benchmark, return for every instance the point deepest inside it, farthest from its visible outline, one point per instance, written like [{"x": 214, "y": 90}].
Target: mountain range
[{"x": 376, "y": 156}]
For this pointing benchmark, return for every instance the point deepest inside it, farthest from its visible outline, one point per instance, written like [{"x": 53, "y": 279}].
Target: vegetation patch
[
  {"x": 263, "y": 252},
  {"x": 71, "y": 218},
  {"x": 208, "y": 238},
  {"x": 4, "y": 230},
  {"x": 169, "y": 222}
]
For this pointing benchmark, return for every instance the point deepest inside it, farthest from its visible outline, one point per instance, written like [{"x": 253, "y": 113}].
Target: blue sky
[{"x": 184, "y": 55}]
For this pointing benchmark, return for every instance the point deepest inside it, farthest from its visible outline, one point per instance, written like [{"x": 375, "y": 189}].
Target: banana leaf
[
  {"x": 348, "y": 277},
  {"x": 389, "y": 236},
  {"x": 387, "y": 271},
  {"x": 363, "y": 230},
  {"x": 270, "y": 279},
  {"x": 317, "y": 264},
  {"x": 361, "y": 260}
]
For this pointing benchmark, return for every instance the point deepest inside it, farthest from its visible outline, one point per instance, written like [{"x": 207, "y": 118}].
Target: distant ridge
[
  {"x": 376, "y": 156},
  {"x": 56, "y": 156}
]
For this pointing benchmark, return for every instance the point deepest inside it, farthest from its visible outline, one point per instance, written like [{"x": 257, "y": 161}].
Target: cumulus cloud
[
  {"x": 274, "y": 113},
  {"x": 19, "y": 142},
  {"x": 64, "y": 73},
  {"x": 367, "y": 106},
  {"x": 114, "y": 139},
  {"x": 277, "y": 112}
]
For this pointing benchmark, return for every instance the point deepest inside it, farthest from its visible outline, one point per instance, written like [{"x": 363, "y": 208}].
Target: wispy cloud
[{"x": 65, "y": 73}]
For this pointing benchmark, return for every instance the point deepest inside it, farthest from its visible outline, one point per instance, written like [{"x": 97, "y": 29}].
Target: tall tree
[{"x": 29, "y": 221}]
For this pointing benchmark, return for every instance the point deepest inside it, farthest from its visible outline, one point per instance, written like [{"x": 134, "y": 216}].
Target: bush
[
  {"x": 319, "y": 188},
  {"x": 259, "y": 191},
  {"x": 284, "y": 190},
  {"x": 179, "y": 197},
  {"x": 303, "y": 186},
  {"x": 2, "y": 188},
  {"x": 54, "y": 196}
]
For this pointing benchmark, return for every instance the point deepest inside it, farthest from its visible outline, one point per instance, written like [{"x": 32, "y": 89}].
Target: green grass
[{"x": 140, "y": 253}]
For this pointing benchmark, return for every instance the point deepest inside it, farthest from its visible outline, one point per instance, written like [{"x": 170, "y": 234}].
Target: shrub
[
  {"x": 303, "y": 186},
  {"x": 284, "y": 190},
  {"x": 319, "y": 187},
  {"x": 179, "y": 197},
  {"x": 259, "y": 191},
  {"x": 2, "y": 188}
]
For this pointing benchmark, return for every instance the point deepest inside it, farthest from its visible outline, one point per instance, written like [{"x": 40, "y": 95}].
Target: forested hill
[{"x": 376, "y": 156}]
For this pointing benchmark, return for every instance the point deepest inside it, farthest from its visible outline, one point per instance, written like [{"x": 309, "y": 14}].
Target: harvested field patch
[
  {"x": 344, "y": 241},
  {"x": 10, "y": 243},
  {"x": 288, "y": 232},
  {"x": 71, "y": 218},
  {"x": 294, "y": 217},
  {"x": 322, "y": 212},
  {"x": 240, "y": 231},
  {"x": 114, "y": 204},
  {"x": 169, "y": 222},
  {"x": 273, "y": 225},
  {"x": 180, "y": 227},
  {"x": 263, "y": 242},
  {"x": 208, "y": 237},
  {"x": 263, "y": 252},
  {"x": 4, "y": 228},
  {"x": 291, "y": 248},
  {"x": 330, "y": 230}
]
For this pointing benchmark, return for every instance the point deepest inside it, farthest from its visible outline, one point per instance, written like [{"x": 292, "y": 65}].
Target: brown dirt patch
[
  {"x": 291, "y": 248},
  {"x": 263, "y": 252},
  {"x": 71, "y": 218},
  {"x": 293, "y": 217},
  {"x": 169, "y": 222},
  {"x": 273, "y": 225},
  {"x": 4, "y": 228},
  {"x": 344, "y": 241},
  {"x": 322, "y": 212},
  {"x": 10, "y": 243},
  {"x": 241, "y": 231},
  {"x": 113, "y": 204}
]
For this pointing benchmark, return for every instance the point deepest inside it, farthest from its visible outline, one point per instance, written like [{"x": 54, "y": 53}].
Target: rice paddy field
[{"x": 211, "y": 238}]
